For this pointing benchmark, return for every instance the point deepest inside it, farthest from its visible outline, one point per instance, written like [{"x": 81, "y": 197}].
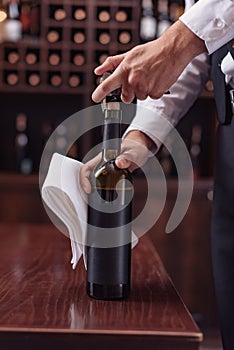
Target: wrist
[
  {"x": 139, "y": 136},
  {"x": 186, "y": 44}
]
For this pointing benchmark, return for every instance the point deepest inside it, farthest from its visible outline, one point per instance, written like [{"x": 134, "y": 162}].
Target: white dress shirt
[
  {"x": 227, "y": 67},
  {"x": 212, "y": 20}
]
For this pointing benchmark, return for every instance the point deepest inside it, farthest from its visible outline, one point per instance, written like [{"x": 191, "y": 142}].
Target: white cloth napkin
[{"x": 62, "y": 193}]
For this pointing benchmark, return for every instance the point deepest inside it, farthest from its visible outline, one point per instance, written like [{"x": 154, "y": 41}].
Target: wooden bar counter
[{"x": 43, "y": 302}]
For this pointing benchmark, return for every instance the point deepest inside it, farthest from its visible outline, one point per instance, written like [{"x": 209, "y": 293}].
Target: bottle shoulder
[{"x": 107, "y": 170}]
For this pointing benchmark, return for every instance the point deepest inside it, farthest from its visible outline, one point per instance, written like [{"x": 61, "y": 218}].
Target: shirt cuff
[
  {"x": 158, "y": 127},
  {"x": 211, "y": 21}
]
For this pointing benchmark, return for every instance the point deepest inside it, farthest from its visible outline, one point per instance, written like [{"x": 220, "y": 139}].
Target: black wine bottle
[{"x": 108, "y": 240}]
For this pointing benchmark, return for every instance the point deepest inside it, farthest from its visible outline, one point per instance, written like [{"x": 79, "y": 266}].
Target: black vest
[{"x": 221, "y": 90}]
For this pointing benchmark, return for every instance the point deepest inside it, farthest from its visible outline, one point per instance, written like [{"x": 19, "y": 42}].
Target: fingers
[
  {"x": 84, "y": 178},
  {"x": 115, "y": 81},
  {"x": 119, "y": 79},
  {"x": 112, "y": 83},
  {"x": 127, "y": 95},
  {"x": 123, "y": 163},
  {"x": 85, "y": 172},
  {"x": 134, "y": 153},
  {"x": 111, "y": 63}
]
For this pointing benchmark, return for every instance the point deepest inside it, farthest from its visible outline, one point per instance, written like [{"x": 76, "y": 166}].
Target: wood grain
[{"x": 40, "y": 293}]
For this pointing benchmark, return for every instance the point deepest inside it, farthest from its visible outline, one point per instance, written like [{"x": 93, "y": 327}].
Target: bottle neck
[
  {"x": 112, "y": 135},
  {"x": 147, "y": 8}
]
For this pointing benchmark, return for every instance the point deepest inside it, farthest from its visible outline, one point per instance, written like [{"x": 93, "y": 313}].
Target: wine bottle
[
  {"x": 108, "y": 239},
  {"x": 11, "y": 78},
  {"x": 13, "y": 57},
  {"x": 148, "y": 22},
  {"x": 74, "y": 80},
  {"x": 32, "y": 57},
  {"x": 23, "y": 160},
  {"x": 12, "y": 25},
  {"x": 25, "y": 19},
  {"x": 104, "y": 15},
  {"x": 54, "y": 35},
  {"x": 121, "y": 16},
  {"x": 55, "y": 79},
  {"x": 164, "y": 21},
  {"x": 78, "y": 58},
  {"x": 78, "y": 37},
  {"x": 54, "y": 58},
  {"x": 60, "y": 14},
  {"x": 33, "y": 78},
  {"x": 79, "y": 13},
  {"x": 176, "y": 9},
  {"x": 124, "y": 37},
  {"x": 35, "y": 23},
  {"x": 101, "y": 56},
  {"x": 104, "y": 37}
]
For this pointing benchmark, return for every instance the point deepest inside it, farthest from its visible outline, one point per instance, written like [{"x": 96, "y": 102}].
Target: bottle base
[{"x": 108, "y": 292}]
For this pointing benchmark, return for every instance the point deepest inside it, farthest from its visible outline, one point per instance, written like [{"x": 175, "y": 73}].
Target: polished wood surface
[
  {"x": 178, "y": 251},
  {"x": 43, "y": 302}
]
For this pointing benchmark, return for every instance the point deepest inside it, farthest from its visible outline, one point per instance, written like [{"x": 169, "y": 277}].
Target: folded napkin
[{"x": 62, "y": 193}]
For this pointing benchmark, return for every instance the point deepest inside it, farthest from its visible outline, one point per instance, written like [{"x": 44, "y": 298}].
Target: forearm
[
  {"x": 141, "y": 137},
  {"x": 181, "y": 43}
]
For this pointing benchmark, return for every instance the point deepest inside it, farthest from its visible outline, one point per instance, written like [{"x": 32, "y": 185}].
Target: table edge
[{"x": 196, "y": 336}]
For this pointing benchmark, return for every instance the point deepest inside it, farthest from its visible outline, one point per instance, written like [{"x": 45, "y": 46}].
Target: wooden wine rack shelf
[{"x": 91, "y": 48}]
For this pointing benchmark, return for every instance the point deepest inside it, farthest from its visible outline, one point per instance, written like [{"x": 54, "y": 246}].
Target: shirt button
[{"x": 219, "y": 23}]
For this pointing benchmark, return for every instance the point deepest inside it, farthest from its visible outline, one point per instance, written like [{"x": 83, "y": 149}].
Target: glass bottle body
[{"x": 108, "y": 241}]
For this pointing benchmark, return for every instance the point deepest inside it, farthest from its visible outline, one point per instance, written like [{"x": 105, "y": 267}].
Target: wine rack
[{"x": 75, "y": 36}]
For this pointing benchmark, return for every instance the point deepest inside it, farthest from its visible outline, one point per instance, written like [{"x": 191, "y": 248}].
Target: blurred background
[{"x": 48, "y": 51}]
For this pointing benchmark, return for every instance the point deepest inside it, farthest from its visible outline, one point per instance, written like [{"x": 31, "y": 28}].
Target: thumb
[
  {"x": 122, "y": 162},
  {"x": 133, "y": 154}
]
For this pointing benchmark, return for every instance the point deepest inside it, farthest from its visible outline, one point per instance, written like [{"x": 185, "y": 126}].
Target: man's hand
[
  {"x": 150, "y": 69},
  {"x": 134, "y": 154}
]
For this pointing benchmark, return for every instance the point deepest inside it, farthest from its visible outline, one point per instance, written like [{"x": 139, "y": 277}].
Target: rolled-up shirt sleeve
[
  {"x": 156, "y": 118},
  {"x": 212, "y": 21}
]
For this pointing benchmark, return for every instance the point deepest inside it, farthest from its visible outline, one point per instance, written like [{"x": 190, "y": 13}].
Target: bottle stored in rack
[
  {"x": 54, "y": 57},
  {"x": 32, "y": 57},
  {"x": 103, "y": 37},
  {"x": 78, "y": 36},
  {"x": 148, "y": 21},
  {"x": 11, "y": 77},
  {"x": 57, "y": 12},
  {"x": 122, "y": 15},
  {"x": 103, "y": 14},
  {"x": 12, "y": 56},
  {"x": 124, "y": 37},
  {"x": 54, "y": 35},
  {"x": 79, "y": 13},
  {"x": 55, "y": 79},
  {"x": 33, "y": 78},
  {"x": 77, "y": 58},
  {"x": 23, "y": 161},
  {"x": 74, "y": 80}
]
